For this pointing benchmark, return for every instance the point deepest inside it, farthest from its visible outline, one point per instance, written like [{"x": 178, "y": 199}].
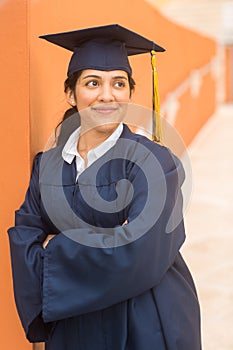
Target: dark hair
[
  {"x": 71, "y": 81},
  {"x": 69, "y": 84}
]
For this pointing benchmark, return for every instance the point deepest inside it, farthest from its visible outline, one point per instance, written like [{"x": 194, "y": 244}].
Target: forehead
[{"x": 103, "y": 74}]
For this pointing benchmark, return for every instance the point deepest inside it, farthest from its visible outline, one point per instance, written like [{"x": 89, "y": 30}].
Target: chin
[{"x": 107, "y": 128}]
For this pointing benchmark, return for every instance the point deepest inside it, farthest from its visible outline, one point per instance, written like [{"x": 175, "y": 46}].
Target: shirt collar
[{"x": 70, "y": 151}]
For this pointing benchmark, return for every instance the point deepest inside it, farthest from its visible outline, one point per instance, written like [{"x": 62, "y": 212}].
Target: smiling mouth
[{"x": 105, "y": 109}]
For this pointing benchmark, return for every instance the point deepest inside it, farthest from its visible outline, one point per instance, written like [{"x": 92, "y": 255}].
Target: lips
[{"x": 107, "y": 109}]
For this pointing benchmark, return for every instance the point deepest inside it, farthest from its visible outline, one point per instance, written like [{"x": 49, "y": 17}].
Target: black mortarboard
[{"x": 104, "y": 48}]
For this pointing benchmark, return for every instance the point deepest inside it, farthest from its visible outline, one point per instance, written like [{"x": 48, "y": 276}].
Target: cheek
[
  {"x": 123, "y": 96},
  {"x": 84, "y": 99}
]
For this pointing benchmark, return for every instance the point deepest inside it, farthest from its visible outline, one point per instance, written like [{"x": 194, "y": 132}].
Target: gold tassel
[{"x": 156, "y": 120}]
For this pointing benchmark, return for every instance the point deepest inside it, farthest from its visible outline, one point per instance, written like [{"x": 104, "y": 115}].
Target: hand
[
  {"x": 125, "y": 223},
  {"x": 46, "y": 241}
]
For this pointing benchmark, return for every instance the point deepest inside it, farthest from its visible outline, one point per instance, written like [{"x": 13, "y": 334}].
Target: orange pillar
[
  {"x": 229, "y": 73},
  {"x": 14, "y": 156}
]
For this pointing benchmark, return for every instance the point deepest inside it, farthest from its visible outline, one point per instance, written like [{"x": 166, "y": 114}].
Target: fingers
[{"x": 46, "y": 241}]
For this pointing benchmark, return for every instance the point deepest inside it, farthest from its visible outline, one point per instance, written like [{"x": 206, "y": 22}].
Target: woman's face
[{"x": 101, "y": 95}]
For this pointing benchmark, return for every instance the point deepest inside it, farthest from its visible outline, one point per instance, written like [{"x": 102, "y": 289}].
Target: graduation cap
[{"x": 107, "y": 48}]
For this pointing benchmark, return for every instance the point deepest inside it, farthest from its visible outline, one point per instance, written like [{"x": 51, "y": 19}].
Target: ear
[{"x": 70, "y": 98}]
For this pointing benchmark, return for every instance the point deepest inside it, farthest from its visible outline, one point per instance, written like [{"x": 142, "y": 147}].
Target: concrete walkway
[{"x": 209, "y": 225}]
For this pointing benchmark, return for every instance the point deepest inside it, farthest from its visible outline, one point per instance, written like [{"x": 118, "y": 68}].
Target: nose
[{"x": 106, "y": 93}]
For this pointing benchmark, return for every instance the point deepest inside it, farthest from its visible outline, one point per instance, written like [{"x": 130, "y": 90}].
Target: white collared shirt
[{"x": 70, "y": 150}]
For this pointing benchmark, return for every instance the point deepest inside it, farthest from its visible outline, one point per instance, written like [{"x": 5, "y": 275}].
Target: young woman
[{"x": 95, "y": 247}]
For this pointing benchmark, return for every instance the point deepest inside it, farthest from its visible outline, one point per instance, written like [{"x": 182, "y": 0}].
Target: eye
[
  {"x": 92, "y": 83},
  {"x": 119, "y": 84}
]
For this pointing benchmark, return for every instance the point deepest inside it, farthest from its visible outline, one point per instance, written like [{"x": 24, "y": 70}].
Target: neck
[{"x": 93, "y": 138}]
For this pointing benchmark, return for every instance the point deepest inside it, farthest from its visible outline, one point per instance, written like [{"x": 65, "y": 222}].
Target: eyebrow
[
  {"x": 91, "y": 76},
  {"x": 120, "y": 77},
  {"x": 99, "y": 77}
]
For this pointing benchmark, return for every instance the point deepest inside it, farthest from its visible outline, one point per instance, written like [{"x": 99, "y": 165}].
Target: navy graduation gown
[{"x": 98, "y": 284}]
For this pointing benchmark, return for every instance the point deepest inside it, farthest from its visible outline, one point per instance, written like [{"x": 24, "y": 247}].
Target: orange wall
[
  {"x": 194, "y": 112},
  {"x": 229, "y": 73},
  {"x": 14, "y": 156},
  {"x": 32, "y": 100}
]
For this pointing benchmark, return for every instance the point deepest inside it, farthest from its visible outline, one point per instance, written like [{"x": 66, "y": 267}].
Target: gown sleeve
[
  {"x": 26, "y": 239},
  {"x": 79, "y": 279}
]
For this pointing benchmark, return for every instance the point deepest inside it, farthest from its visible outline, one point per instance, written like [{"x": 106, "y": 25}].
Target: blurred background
[{"x": 196, "y": 91}]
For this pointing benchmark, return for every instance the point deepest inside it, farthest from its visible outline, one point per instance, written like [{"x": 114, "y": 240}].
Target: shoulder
[
  {"x": 167, "y": 159},
  {"x": 47, "y": 155},
  {"x": 43, "y": 162}
]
